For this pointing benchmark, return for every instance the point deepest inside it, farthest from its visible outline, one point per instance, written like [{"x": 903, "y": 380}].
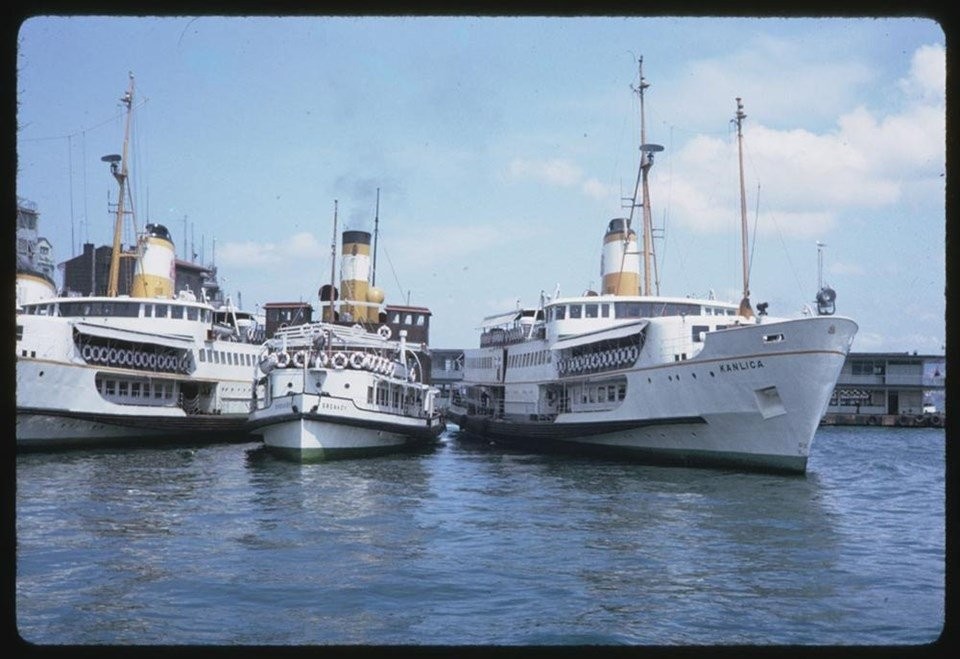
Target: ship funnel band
[
  {"x": 362, "y": 237},
  {"x": 158, "y": 231}
]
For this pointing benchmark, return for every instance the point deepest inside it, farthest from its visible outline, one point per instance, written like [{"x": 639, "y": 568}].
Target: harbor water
[{"x": 469, "y": 544}]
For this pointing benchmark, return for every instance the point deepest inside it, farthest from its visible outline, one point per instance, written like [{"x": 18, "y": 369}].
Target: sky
[{"x": 501, "y": 148}]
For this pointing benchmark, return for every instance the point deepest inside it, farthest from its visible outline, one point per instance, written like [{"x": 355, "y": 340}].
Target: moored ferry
[
  {"x": 126, "y": 368},
  {"x": 345, "y": 386},
  {"x": 627, "y": 372}
]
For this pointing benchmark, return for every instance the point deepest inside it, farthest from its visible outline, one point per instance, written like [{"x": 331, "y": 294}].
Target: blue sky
[{"x": 501, "y": 148}]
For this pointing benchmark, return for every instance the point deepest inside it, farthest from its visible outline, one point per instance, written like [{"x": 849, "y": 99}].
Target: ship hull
[
  {"x": 54, "y": 429},
  {"x": 66, "y": 399},
  {"x": 743, "y": 402},
  {"x": 338, "y": 429}
]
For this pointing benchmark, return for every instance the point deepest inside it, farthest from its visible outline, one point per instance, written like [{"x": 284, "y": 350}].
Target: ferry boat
[
  {"x": 666, "y": 380},
  {"x": 334, "y": 388},
  {"x": 127, "y": 368}
]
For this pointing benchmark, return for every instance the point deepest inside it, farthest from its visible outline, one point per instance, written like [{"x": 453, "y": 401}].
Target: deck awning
[
  {"x": 119, "y": 334},
  {"x": 499, "y": 319},
  {"x": 619, "y": 332}
]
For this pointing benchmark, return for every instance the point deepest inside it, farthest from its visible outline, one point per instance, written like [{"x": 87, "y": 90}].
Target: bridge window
[
  {"x": 590, "y": 311},
  {"x": 576, "y": 311}
]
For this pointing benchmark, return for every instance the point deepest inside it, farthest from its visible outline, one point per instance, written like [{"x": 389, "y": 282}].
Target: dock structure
[
  {"x": 889, "y": 389},
  {"x": 446, "y": 369}
]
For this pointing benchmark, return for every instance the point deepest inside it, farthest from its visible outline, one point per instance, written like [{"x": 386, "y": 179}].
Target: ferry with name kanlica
[
  {"x": 132, "y": 368},
  {"x": 664, "y": 380},
  {"x": 339, "y": 388}
]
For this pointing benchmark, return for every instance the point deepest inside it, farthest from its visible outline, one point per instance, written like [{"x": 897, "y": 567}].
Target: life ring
[
  {"x": 112, "y": 356},
  {"x": 936, "y": 421},
  {"x": 299, "y": 359},
  {"x": 87, "y": 353},
  {"x": 384, "y": 332},
  {"x": 356, "y": 360},
  {"x": 872, "y": 421},
  {"x": 152, "y": 360},
  {"x": 185, "y": 363},
  {"x": 339, "y": 361},
  {"x": 283, "y": 359},
  {"x": 138, "y": 359}
]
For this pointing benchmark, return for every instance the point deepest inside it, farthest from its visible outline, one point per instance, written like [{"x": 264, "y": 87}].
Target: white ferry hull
[
  {"x": 337, "y": 429},
  {"x": 743, "y": 404},
  {"x": 61, "y": 401}
]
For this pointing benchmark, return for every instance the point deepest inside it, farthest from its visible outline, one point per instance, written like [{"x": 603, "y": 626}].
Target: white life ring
[
  {"x": 152, "y": 360},
  {"x": 87, "y": 352},
  {"x": 339, "y": 361},
  {"x": 185, "y": 363},
  {"x": 299, "y": 359},
  {"x": 356, "y": 360},
  {"x": 138, "y": 359},
  {"x": 283, "y": 359},
  {"x": 384, "y": 332}
]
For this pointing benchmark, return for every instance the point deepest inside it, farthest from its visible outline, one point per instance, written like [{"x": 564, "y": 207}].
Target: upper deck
[{"x": 572, "y": 316}]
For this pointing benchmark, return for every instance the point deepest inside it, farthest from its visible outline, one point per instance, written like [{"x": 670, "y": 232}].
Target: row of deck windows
[
  {"x": 529, "y": 359},
  {"x": 632, "y": 310},
  {"x": 603, "y": 393},
  {"x": 120, "y": 309},
  {"x": 157, "y": 390},
  {"x": 223, "y": 357}
]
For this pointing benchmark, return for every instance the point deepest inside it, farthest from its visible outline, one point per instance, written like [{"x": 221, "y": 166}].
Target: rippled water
[{"x": 467, "y": 544}]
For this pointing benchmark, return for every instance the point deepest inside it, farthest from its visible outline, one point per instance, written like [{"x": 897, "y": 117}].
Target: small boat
[
  {"x": 142, "y": 367},
  {"x": 626, "y": 372},
  {"x": 332, "y": 391},
  {"x": 343, "y": 386}
]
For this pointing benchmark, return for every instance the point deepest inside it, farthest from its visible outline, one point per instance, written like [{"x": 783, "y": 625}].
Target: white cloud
[{"x": 928, "y": 73}]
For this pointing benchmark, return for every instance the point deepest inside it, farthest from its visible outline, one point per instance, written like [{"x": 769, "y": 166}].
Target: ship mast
[
  {"x": 333, "y": 260},
  {"x": 120, "y": 173},
  {"x": 646, "y": 162},
  {"x": 745, "y": 309},
  {"x": 376, "y": 233}
]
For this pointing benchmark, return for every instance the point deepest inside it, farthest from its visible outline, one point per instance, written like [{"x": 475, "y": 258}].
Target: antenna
[{"x": 820, "y": 247}]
